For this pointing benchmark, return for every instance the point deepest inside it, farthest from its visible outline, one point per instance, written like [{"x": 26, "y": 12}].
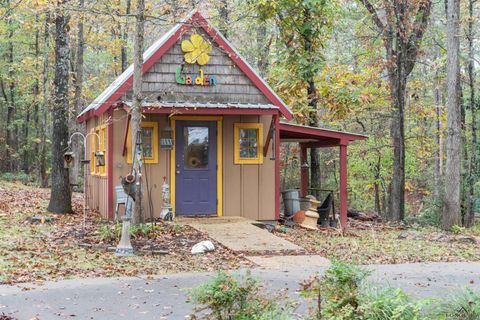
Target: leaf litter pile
[
  {"x": 379, "y": 243},
  {"x": 52, "y": 247}
]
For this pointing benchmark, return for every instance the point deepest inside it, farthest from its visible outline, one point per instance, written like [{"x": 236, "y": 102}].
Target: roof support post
[
  {"x": 343, "y": 183},
  {"x": 303, "y": 171},
  {"x": 277, "y": 165},
  {"x": 109, "y": 165}
]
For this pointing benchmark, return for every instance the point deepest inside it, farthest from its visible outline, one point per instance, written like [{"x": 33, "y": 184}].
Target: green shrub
[
  {"x": 337, "y": 292},
  {"x": 225, "y": 297},
  {"x": 457, "y": 229},
  {"x": 141, "y": 229},
  {"x": 391, "y": 304},
  {"x": 466, "y": 306},
  {"x": 109, "y": 232},
  {"x": 343, "y": 294},
  {"x": 8, "y": 176},
  {"x": 429, "y": 217}
]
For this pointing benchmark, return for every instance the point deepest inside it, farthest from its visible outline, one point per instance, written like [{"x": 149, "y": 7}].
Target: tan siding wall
[
  {"x": 96, "y": 185},
  {"x": 152, "y": 173},
  {"x": 249, "y": 189}
]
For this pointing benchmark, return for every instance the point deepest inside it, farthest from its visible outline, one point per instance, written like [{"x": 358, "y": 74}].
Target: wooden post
[
  {"x": 110, "y": 165},
  {"x": 277, "y": 166},
  {"x": 303, "y": 171},
  {"x": 343, "y": 184}
]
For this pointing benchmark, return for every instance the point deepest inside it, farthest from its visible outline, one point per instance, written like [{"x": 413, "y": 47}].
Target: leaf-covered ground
[
  {"x": 376, "y": 243},
  {"x": 50, "y": 251}
]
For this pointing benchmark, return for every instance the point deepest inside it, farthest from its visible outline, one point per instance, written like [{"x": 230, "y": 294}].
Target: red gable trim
[
  {"x": 200, "y": 20},
  {"x": 220, "y": 40}
]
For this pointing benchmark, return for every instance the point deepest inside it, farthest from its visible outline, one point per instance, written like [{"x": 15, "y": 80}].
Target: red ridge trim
[{"x": 196, "y": 18}]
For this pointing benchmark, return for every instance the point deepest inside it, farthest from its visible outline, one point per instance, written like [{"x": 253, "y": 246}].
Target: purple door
[{"x": 196, "y": 167}]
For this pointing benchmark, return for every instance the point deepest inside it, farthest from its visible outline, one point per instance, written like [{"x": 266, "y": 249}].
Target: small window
[
  {"x": 149, "y": 142},
  {"x": 99, "y": 143},
  {"x": 102, "y": 170},
  {"x": 93, "y": 148},
  {"x": 248, "y": 143},
  {"x": 196, "y": 147}
]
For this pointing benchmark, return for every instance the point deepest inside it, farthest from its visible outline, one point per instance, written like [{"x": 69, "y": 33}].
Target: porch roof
[{"x": 316, "y": 137}]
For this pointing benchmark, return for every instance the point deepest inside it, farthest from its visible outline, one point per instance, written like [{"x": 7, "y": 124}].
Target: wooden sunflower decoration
[{"x": 196, "y": 50}]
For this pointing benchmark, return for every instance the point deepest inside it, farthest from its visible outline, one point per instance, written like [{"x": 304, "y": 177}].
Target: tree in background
[
  {"x": 303, "y": 29},
  {"x": 402, "y": 25},
  {"x": 136, "y": 111},
  {"x": 451, "y": 203},
  {"x": 60, "y": 199},
  {"x": 469, "y": 215}
]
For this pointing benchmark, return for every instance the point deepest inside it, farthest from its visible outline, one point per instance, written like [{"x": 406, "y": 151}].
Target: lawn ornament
[
  {"x": 311, "y": 216},
  {"x": 166, "y": 213},
  {"x": 124, "y": 247}
]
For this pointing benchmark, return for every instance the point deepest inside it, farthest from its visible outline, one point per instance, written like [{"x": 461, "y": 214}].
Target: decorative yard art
[{"x": 196, "y": 50}]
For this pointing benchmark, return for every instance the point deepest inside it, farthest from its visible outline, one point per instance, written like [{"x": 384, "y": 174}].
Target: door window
[{"x": 195, "y": 147}]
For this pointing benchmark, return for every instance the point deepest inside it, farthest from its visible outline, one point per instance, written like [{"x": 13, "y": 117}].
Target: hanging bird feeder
[
  {"x": 166, "y": 140},
  {"x": 68, "y": 160},
  {"x": 100, "y": 159}
]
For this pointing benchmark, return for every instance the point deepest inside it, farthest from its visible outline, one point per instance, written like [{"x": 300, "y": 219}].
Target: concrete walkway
[
  {"x": 240, "y": 235},
  {"x": 259, "y": 246}
]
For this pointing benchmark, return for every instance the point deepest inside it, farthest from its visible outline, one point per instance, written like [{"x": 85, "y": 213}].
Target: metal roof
[
  {"x": 204, "y": 105},
  {"x": 299, "y": 132}
]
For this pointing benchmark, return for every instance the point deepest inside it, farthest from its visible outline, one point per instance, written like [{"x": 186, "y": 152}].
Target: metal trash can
[{"x": 291, "y": 202}]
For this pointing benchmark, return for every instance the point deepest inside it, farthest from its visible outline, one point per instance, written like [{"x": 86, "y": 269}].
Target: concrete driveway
[{"x": 164, "y": 297}]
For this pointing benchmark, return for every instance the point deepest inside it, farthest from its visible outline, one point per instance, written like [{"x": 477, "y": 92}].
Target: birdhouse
[
  {"x": 100, "y": 159},
  {"x": 166, "y": 141},
  {"x": 68, "y": 158}
]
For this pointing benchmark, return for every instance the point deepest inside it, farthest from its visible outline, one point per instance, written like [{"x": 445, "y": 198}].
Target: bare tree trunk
[
  {"x": 60, "y": 198},
  {"x": 263, "y": 48},
  {"x": 378, "y": 207},
  {"x": 402, "y": 33},
  {"x": 10, "y": 99},
  {"x": 77, "y": 146},
  {"x": 472, "y": 167},
  {"x": 137, "y": 103},
  {"x": 437, "y": 175},
  {"x": 125, "y": 37},
  {"x": 36, "y": 92},
  {"x": 224, "y": 13},
  {"x": 43, "y": 177},
  {"x": 398, "y": 83},
  {"x": 451, "y": 204}
]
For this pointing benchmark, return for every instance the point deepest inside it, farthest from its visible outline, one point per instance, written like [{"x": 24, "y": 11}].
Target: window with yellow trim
[
  {"x": 93, "y": 148},
  {"x": 102, "y": 170},
  {"x": 99, "y": 143},
  {"x": 248, "y": 143},
  {"x": 149, "y": 142}
]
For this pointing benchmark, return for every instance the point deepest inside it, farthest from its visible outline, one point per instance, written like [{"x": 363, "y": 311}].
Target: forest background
[{"x": 326, "y": 59}]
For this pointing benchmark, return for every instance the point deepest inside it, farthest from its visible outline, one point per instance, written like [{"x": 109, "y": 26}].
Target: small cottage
[{"x": 226, "y": 123}]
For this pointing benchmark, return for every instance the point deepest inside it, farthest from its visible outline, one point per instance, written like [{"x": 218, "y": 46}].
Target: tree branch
[
  {"x": 373, "y": 13},
  {"x": 419, "y": 27}
]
